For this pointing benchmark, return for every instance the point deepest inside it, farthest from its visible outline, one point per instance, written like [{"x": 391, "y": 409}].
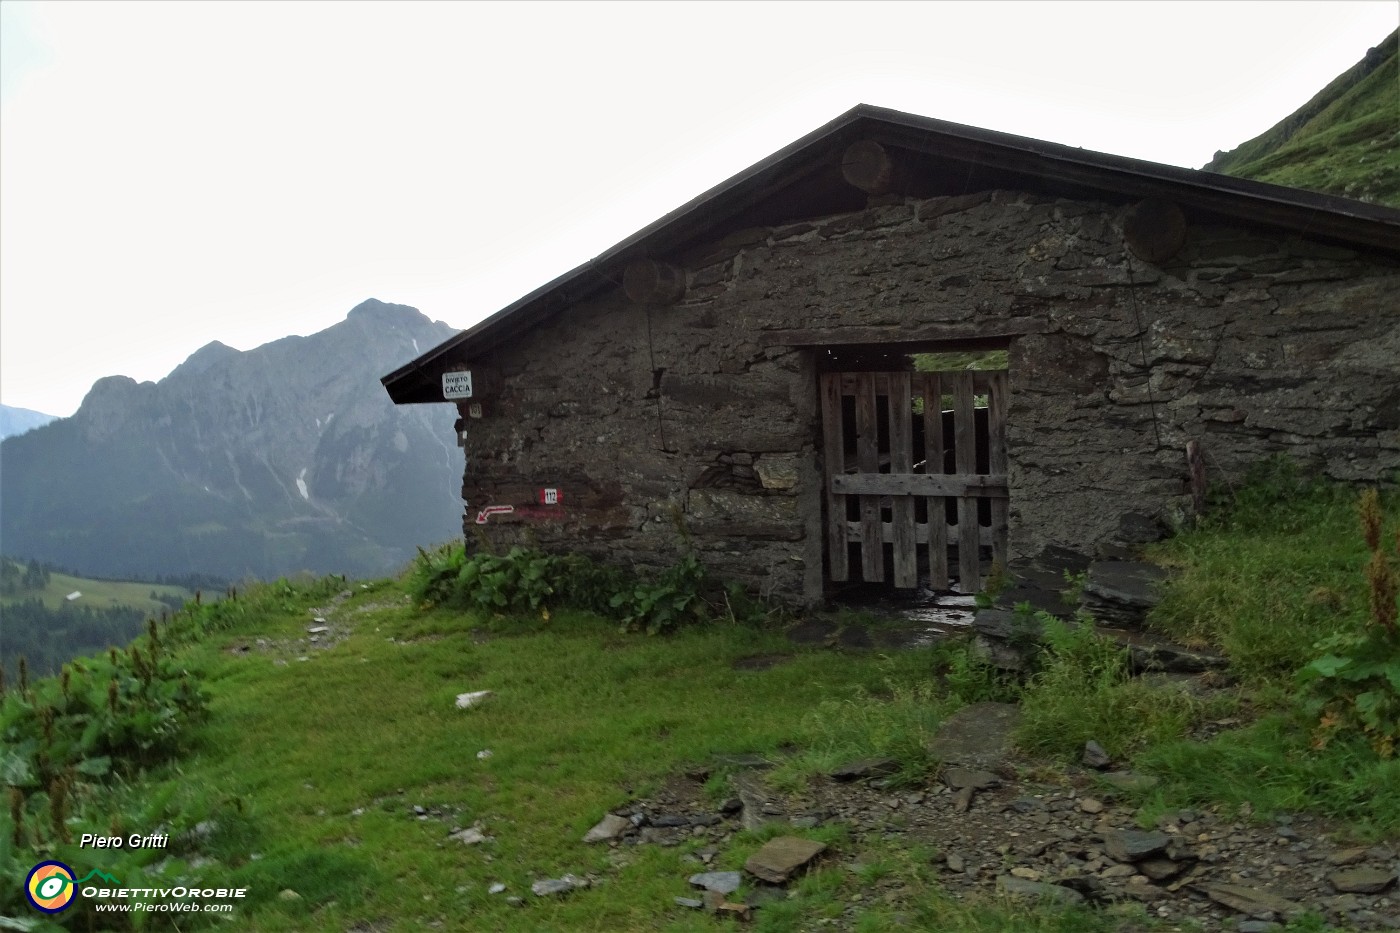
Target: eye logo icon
[{"x": 50, "y": 887}]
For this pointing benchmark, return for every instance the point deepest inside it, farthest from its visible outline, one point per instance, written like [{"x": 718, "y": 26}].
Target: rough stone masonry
[{"x": 696, "y": 425}]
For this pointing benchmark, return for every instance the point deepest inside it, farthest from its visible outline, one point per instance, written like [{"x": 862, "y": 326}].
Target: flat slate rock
[
  {"x": 749, "y": 762},
  {"x": 813, "y": 632},
  {"x": 1038, "y": 890},
  {"x": 1129, "y": 780},
  {"x": 725, "y": 882},
  {"x": 609, "y": 827},
  {"x": 1122, "y": 591},
  {"x": 855, "y": 636},
  {"x": 1249, "y": 900},
  {"x": 1127, "y": 845},
  {"x": 781, "y": 857},
  {"x": 1094, "y": 756},
  {"x": 1152, "y": 653},
  {"x": 1362, "y": 880},
  {"x": 976, "y": 736},
  {"x": 757, "y": 806},
  {"x": 960, "y": 778},
  {"x": 865, "y": 768},
  {"x": 549, "y": 886},
  {"x": 1007, "y": 641},
  {"x": 1040, "y": 580}
]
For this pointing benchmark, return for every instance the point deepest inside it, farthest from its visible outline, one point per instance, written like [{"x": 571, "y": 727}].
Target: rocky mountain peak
[
  {"x": 374, "y": 309},
  {"x": 210, "y": 354},
  {"x": 262, "y": 462}
]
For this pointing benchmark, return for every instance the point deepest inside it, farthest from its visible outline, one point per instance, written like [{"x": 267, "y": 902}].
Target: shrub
[{"x": 674, "y": 598}]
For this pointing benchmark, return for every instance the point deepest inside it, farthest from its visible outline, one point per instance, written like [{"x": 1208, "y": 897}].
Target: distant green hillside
[
  {"x": 100, "y": 594},
  {"x": 44, "y": 626},
  {"x": 1345, "y": 141}
]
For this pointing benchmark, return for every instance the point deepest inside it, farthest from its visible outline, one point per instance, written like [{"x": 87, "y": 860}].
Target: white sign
[{"x": 457, "y": 385}]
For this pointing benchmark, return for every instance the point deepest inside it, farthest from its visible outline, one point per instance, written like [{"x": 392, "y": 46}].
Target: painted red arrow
[{"x": 490, "y": 510}]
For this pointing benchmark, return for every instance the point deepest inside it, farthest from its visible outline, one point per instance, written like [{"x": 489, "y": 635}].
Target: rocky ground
[{"x": 1000, "y": 831}]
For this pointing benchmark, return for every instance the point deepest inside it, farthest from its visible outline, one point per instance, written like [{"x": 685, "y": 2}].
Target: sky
[{"x": 177, "y": 173}]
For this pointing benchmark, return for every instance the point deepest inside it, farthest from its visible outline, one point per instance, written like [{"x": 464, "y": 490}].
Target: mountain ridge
[{"x": 1342, "y": 141}]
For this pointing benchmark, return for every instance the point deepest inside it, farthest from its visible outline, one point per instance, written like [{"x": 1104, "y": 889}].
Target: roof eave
[{"x": 1313, "y": 214}]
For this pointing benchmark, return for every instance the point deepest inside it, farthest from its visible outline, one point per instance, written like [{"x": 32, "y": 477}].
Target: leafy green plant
[
  {"x": 1074, "y": 587},
  {"x": 996, "y": 581},
  {"x": 1355, "y": 685},
  {"x": 672, "y": 599},
  {"x": 531, "y": 581},
  {"x": 516, "y": 581}
]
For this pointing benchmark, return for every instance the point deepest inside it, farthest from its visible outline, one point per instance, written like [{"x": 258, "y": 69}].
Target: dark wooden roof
[{"x": 804, "y": 180}]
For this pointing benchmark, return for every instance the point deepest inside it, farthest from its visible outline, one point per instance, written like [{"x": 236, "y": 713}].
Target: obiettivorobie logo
[{"x": 51, "y": 886}]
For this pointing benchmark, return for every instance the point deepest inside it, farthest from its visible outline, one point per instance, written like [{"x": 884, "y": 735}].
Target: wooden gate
[{"x": 904, "y": 472}]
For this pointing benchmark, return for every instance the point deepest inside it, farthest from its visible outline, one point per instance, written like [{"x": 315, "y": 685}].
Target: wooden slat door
[{"x": 882, "y": 458}]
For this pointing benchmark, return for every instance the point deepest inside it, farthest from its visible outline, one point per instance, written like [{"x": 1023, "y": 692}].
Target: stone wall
[{"x": 696, "y": 424}]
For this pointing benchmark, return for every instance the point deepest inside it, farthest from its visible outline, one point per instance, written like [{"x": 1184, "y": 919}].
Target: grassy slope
[
  {"x": 575, "y": 724},
  {"x": 1345, "y": 141},
  {"x": 99, "y": 594}
]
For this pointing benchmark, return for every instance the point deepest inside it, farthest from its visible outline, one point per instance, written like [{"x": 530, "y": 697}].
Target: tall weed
[{"x": 1355, "y": 686}]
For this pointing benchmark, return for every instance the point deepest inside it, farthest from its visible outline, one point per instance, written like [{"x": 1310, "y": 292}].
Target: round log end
[
  {"x": 867, "y": 166},
  {"x": 647, "y": 281},
  {"x": 1155, "y": 230}
]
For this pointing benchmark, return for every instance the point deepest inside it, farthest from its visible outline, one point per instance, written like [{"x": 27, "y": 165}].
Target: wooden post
[
  {"x": 901, "y": 414},
  {"x": 834, "y": 448},
  {"x": 997, "y": 462},
  {"x": 1154, "y": 230},
  {"x": 933, "y": 465},
  {"x": 650, "y": 282},
  {"x": 872, "y": 547},
  {"x": 1197, "y": 465},
  {"x": 965, "y": 453}
]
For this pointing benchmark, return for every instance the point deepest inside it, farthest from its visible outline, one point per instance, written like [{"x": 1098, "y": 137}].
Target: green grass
[
  {"x": 1269, "y": 575},
  {"x": 1272, "y": 766},
  {"x": 583, "y": 718},
  {"x": 1084, "y": 692}
]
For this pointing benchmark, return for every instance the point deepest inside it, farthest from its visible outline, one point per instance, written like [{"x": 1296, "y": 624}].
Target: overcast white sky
[{"x": 176, "y": 173}]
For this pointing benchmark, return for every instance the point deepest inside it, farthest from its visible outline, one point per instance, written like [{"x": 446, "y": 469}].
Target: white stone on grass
[{"x": 465, "y": 700}]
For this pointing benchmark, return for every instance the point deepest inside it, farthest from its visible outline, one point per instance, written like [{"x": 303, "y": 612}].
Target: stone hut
[{"x": 762, "y": 377}]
